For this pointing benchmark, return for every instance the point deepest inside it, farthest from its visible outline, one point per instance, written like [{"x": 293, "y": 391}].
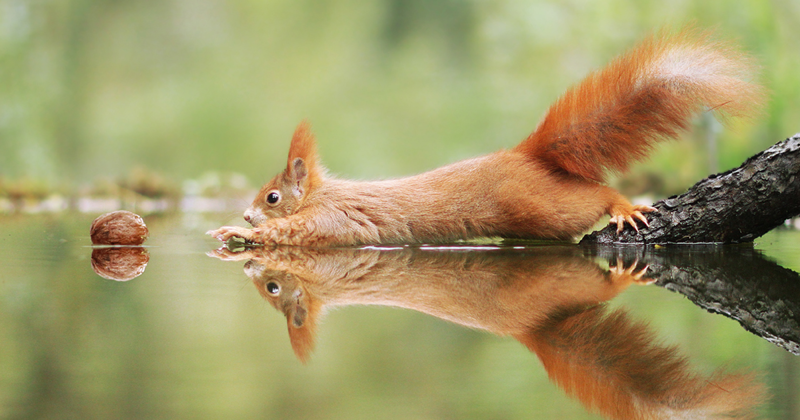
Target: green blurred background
[
  {"x": 96, "y": 89},
  {"x": 102, "y": 91}
]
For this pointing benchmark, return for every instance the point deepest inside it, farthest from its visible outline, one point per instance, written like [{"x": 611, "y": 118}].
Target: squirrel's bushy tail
[{"x": 616, "y": 115}]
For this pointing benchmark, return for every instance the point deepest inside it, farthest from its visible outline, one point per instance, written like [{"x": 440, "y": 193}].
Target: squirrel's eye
[
  {"x": 273, "y": 197},
  {"x": 273, "y": 288}
]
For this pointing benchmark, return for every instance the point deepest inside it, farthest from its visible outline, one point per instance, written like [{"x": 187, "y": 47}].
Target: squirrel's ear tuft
[
  {"x": 304, "y": 148},
  {"x": 303, "y": 145}
]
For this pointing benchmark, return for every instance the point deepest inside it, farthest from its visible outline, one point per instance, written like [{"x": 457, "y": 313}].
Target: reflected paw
[
  {"x": 620, "y": 273},
  {"x": 226, "y": 254}
]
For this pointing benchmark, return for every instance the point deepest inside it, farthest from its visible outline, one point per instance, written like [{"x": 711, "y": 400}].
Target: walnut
[{"x": 118, "y": 228}]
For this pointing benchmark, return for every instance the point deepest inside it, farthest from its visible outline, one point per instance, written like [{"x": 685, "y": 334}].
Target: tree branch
[{"x": 732, "y": 207}]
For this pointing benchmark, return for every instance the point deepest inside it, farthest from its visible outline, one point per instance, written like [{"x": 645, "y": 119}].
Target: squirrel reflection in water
[{"x": 551, "y": 299}]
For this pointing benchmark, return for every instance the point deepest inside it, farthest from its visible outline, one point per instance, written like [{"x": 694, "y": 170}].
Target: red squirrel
[{"x": 549, "y": 186}]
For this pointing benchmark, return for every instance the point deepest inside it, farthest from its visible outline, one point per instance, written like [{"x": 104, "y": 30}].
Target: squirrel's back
[
  {"x": 616, "y": 115},
  {"x": 547, "y": 187}
]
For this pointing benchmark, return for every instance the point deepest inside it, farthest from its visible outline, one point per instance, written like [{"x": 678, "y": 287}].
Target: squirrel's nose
[{"x": 250, "y": 217}]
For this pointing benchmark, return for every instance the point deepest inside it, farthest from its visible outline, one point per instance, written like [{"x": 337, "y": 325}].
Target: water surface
[{"x": 512, "y": 333}]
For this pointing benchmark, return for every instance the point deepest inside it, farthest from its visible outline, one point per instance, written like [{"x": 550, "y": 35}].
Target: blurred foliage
[
  {"x": 24, "y": 188},
  {"x": 148, "y": 184},
  {"x": 95, "y": 88}
]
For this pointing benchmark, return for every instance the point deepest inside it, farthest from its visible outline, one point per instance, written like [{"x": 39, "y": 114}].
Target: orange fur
[
  {"x": 547, "y": 187},
  {"x": 616, "y": 115},
  {"x": 304, "y": 146},
  {"x": 550, "y": 299},
  {"x": 615, "y": 366}
]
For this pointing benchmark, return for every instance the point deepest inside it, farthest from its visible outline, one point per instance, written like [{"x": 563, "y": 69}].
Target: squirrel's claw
[
  {"x": 226, "y": 254},
  {"x": 635, "y": 212},
  {"x": 619, "y": 271},
  {"x": 227, "y": 232}
]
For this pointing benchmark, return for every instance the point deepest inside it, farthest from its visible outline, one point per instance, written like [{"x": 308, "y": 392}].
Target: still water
[{"x": 500, "y": 332}]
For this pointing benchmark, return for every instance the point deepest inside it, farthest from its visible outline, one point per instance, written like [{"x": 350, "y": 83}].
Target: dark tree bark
[{"x": 732, "y": 207}]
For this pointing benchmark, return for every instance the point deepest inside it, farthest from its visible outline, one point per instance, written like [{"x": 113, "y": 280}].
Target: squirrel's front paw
[{"x": 227, "y": 232}]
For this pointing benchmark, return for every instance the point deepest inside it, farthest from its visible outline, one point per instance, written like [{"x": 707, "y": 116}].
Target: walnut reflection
[
  {"x": 550, "y": 299},
  {"x": 120, "y": 263}
]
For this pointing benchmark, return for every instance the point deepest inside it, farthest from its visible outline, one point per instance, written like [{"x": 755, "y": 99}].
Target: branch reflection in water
[{"x": 551, "y": 299}]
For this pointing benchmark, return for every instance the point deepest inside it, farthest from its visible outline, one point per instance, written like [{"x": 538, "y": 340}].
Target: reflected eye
[
  {"x": 273, "y": 197},
  {"x": 273, "y": 288}
]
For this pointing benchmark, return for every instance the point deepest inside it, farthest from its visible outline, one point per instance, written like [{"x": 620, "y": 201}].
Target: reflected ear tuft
[
  {"x": 302, "y": 322},
  {"x": 299, "y": 317}
]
